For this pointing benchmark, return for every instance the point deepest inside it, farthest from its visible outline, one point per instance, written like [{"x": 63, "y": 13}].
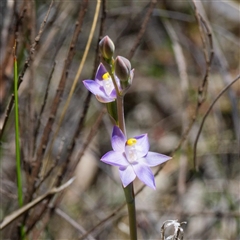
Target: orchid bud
[
  {"x": 107, "y": 48},
  {"x": 123, "y": 71}
]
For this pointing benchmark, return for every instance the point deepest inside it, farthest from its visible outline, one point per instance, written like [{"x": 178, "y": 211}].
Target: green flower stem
[
  {"x": 112, "y": 111},
  {"x": 18, "y": 160},
  {"x": 130, "y": 200},
  {"x": 120, "y": 112},
  {"x": 128, "y": 191}
]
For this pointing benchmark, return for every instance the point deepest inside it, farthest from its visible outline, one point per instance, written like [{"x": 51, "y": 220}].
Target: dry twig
[
  {"x": 202, "y": 90},
  {"x": 16, "y": 214},
  {"x": 206, "y": 114},
  {"x": 143, "y": 29},
  {"x": 57, "y": 99},
  {"x": 27, "y": 62}
]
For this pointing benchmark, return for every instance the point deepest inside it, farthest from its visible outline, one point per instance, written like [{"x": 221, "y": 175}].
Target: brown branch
[
  {"x": 202, "y": 90},
  {"x": 53, "y": 166},
  {"x": 31, "y": 25},
  {"x": 16, "y": 214},
  {"x": 57, "y": 99},
  {"x": 26, "y": 65},
  {"x": 206, "y": 114},
  {"x": 12, "y": 36},
  {"x": 81, "y": 122},
  {"x": 43, "y": 105},
  {"x": 203, "y": 87},
  {"x": 110, "y": 216},
  {"x": 65, "y": 169},
  {"x": 12, "y": 40},
  {"x": 143, "y": 28},
  {"x": 100, "y": 36},
  {"x": 90, "y": 136},
  {"x": 72, "y": 222}
]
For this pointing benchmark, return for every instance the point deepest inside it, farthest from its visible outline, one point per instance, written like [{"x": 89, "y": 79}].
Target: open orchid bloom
[
  {"x": 102, "y": 87},
  {"x": 133, "y": 158}
]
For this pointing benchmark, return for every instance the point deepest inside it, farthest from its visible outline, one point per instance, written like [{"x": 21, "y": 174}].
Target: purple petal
[
  {"x": 100, "y": 71},
  {"x": 104, "y": 99},
  {"x": 92, "y": 86},
  {"x": 142, "y": 145},
  {"x": 115, "y": 159},
  {"x": 153, "y": 159},
  {"x": 113, "y": 94},
  {"x": 118, "y": 140},
  {"x": 145, "y": 174},
  {"x": 97, "y": 90},
  {"x": 127, "y": 175}
]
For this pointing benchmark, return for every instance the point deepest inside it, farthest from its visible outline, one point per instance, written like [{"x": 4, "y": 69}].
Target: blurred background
[{"x": 169, "y": 44}]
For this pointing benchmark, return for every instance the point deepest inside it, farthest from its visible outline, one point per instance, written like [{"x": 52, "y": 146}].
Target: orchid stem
[
  {"x": 130, "y": 200},
  {"x": 120, "y": 112},
  {"x": 128, "y": 191}
]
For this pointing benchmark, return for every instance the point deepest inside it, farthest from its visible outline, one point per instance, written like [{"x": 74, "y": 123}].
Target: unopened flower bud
[
  {"x": 107, "y": 47},
  {"x": 123, "y": 71}
]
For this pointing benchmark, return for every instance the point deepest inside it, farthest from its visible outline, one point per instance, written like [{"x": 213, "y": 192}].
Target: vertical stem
[
  {"x": 120, "y": 112},
  {"x": 130, "y": 200},
  {"x": 18, "y": 160},
  {"x": 128, "y": 191}
]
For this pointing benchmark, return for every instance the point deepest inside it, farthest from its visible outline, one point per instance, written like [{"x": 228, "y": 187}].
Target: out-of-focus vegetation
[{"x": 170, "y": 45}]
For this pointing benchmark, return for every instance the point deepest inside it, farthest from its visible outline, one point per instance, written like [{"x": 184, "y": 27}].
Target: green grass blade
[{"x": 17, "y": 142}]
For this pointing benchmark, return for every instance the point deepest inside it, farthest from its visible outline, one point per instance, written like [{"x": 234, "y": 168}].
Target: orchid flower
[
  {"x": 102, "y": 87},
  {"x": 133, "y": 158}
]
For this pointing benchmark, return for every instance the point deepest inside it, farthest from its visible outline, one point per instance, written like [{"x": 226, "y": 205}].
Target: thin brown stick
[
  {"x": 57, "y": 99},
  {"x": 90, "y": 136},
  {"x": 83, "y": 116},
  {"x": 72, "y": 222},
  {"x": 202, "y": 90},
  {"x": 12, "y": 36},
  {"x": 143, "y": 28},
  {"x": 110, "y": 216},
  {"x": 100, "y": 36},
  {"x": 226, "y": 76},
  {"x": 203, "y": 87},
  {"x": 65, "y": 169},
  {"x": 26, "y": 65},
  {"x": 54, "y": 164},
  {"x": 12, "y": 40},
  {"x": 43, "y": 105},
  {"x": 16, "y": 214},
  {"x": 30, "y": 103},
  {"x": 76, "y": 78},
  {"x": 206, "y": 114},
  {"x": 87, "y": 100}
]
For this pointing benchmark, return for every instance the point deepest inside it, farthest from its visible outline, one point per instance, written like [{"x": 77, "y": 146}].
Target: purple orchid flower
[
  {"x": 102, "y": 87},
  {"x": 133, "y": 158}
]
